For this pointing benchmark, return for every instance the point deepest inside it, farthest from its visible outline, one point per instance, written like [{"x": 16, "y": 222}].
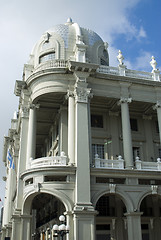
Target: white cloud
[{"x": 142, "y": 62}]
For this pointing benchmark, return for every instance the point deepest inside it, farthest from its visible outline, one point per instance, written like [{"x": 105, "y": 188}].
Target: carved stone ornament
[
  {"x": 157, "y": 105},
  {"x": 69, "y": 94},
  {"x": 24, "y": 112},
  {"x": 112, "y": 188},
  {"x": 34, "y": 106},
  {"x": 82, "y": 94},
  {"x": 154, "y": 189},
  {"x": 124, "y": 100},
  {"x": 37, "y": 187}
]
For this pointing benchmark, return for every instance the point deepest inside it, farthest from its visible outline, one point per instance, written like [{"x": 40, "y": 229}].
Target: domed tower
[{"x": 69, "y": 42}]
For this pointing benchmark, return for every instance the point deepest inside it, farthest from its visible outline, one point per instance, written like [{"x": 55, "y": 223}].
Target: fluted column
[
  {"x": 31, "y": 141},
  {"x": 157, "y": 107},
  {"x": 71, "y": 127},
  {"x": 126, "y": 132}
]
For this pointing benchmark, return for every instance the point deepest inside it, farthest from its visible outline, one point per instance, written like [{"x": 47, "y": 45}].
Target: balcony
[
  {"x": 119, "y": 164},
  {"x": 53, "y": 161}
]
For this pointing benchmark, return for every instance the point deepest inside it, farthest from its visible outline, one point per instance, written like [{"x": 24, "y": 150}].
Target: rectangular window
[
  {"x": 98, "y": 149},
  {"x": 134, "y": 124},
  {"x": 96, "y": 121}
]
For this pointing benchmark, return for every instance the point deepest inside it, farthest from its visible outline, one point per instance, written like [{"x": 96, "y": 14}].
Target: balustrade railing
[
  {"x": 148, "y": 166},
  {"x": 49, "y": 161},
  {"x": 129, "y": 73},
  {"x": 108, "y": 163},
  {"x": 119, "y": 164},
  {"x": 52, "y": 64}
]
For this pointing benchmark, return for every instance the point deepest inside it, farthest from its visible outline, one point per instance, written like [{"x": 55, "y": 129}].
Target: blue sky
[{"x": 133, "y": 26}]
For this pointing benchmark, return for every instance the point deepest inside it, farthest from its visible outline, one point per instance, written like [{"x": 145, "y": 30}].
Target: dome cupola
[{"x": 69, "y": 41}]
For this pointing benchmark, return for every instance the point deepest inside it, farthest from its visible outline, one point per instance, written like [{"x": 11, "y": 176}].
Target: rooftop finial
[{"x": 69, "y": 20}]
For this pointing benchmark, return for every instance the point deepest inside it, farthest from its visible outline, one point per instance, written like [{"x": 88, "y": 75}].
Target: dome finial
[{"x": 69, "y": 20}]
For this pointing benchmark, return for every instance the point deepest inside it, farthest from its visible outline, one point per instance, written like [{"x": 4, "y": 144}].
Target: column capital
[
  {"x": 24, "y": 111},
  {"x": 157, "y": 105},
  {"x": 124, "y": 100},
  {"x": 70, "y": 93},
  {"x": 34, "y": 106},
  {"x": 82, "y": 94}
]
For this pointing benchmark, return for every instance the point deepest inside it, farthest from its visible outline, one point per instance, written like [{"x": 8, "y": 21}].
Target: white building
[{"x": 85, "y": 143}]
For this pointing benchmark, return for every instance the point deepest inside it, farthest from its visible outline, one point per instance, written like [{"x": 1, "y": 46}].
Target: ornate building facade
[{"x": 84, "y": 143}]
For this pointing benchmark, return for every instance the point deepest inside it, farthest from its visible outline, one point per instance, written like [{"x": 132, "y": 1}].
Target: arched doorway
[
  {"x": 110, "y": 221},
  {"x": 46, "y": 210},
  {"x": 151, "y": 217}
]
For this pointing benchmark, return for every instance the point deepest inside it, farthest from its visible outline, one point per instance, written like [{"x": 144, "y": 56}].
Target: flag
[{"x": 10, "y": 159}]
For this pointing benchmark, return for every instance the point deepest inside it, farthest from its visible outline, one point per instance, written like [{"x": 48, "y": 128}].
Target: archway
[
  {"x": 45, "y": 212},
  {"x": 151, "y": 217},
  {"x": 110, "y": 221}
]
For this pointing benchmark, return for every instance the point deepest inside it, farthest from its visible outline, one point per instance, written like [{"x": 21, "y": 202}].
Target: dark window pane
[
  {"x": 97, "y": 121},
  {"x": 134, "y": 124}
]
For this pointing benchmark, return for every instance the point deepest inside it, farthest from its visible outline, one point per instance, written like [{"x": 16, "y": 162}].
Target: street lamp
[{"x": 62, "y": 229}]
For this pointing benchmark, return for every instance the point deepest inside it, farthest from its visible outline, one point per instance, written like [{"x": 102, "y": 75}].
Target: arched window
[{"x": 47, "y": 57}]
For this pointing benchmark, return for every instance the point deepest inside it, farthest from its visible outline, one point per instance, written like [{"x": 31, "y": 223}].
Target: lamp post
[{"x": 62, "y": 229}]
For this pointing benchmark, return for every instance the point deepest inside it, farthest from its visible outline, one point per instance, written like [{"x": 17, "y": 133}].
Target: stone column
[
  {"x": 26, "y": 227},
  {"x": 83, "y": 210},
  {"x": 71, "y": 128},
  {"x": 126, "y": 132},
  {"x": 158, "y": 108},
  {"x": 84, "y": 225},
  {"x": 31, "y": 141},
  {"x": 155, "y": 222},
  {"x": 21, "y": 166},
  {"x": 134, "y": 225},
  {"x": 63, "y": 130},
  {"x": 16, "y": 227},
  {"x": 82, "y": 156}
]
